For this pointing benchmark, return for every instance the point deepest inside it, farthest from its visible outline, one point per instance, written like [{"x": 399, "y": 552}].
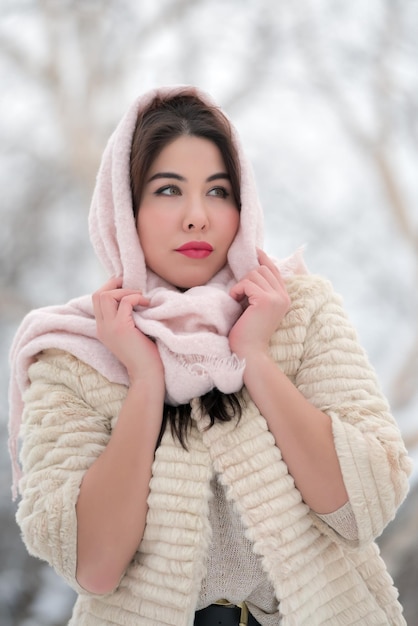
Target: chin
[{"x": 189, "y": 284}]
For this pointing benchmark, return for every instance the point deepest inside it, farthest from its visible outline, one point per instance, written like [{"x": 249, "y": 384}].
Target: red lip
[
  {"x": 195, "y": 249},
  {"x": 195, "y": 245}
]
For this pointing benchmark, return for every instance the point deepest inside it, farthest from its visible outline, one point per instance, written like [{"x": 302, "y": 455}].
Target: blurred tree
[
  {"x": 69, "y": 67},
  {"x": 372, "y": 86}
]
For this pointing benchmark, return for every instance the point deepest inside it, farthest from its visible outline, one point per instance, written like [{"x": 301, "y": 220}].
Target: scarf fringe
[
  {"x": 203, "y": 365},
  {"x": 200, "y": 374}
]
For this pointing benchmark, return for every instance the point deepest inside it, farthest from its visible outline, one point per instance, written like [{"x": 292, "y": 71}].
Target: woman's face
[{"x": 187, "y": 217}]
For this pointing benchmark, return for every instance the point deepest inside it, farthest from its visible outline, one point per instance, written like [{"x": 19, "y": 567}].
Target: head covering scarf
[{"x": 190, "y": 328}]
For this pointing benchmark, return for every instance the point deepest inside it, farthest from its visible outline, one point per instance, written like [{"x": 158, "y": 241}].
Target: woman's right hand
[
  {"x": 113, "y": 307},
  {"x": 112, "y": 504}
]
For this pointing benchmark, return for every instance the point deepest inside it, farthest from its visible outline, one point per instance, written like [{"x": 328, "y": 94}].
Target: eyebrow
[{"x": 217, "y": 176}]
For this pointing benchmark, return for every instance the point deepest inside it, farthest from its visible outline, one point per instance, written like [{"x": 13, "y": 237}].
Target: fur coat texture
[{"x": 318, "y": 577}]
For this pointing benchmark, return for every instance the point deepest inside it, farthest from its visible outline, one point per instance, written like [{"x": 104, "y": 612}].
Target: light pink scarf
[{"x": 190, "y": 329}]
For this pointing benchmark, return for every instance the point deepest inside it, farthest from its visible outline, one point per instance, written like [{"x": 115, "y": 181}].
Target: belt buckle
[{"x": 243, "y": 620}]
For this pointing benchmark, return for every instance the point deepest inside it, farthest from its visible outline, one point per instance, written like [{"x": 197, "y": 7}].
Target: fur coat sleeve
[
  {"x": 67, "y": 423},
  {"x": 334, "y": 373}
]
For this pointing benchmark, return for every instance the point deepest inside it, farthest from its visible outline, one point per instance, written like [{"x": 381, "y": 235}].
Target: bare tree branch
[
  {"x": 264, "y": 46},
  {"x": 377, "y": 147}
]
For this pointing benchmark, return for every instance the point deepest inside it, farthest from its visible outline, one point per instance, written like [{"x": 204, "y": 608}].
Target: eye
[
  {"x": 219, "y": 192},
  {"x": 168, "y": 190}
]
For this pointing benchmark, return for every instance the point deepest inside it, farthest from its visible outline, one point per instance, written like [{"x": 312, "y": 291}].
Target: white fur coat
[{"x": 318, "y": 577}]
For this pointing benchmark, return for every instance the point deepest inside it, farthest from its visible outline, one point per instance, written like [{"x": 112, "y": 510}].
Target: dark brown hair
[
  {"x": 163, "y": 121},
  {"x": 169, "y": 118},
  {"x": 218, "y": 406}
]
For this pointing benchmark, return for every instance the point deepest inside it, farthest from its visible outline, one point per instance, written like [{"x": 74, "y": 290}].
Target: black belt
[{"x": 225, "y": 614}]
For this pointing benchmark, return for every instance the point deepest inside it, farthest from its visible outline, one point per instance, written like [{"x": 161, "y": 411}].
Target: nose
[{"x": 196, "y": 217}]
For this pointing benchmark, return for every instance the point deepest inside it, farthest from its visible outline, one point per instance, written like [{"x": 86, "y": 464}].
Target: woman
[{"x": 205, "y": 436}]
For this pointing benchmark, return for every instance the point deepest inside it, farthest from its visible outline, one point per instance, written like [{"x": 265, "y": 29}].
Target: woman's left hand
[{"x": 268, "y": 303}]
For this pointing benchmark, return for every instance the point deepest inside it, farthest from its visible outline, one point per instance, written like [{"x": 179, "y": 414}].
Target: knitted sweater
[
  {"x": 318, "y": 577},
  {"x": 234, "y": 571}
]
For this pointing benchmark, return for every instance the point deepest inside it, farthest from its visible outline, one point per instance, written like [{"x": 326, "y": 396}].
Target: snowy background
[{"x": 325, "y": 97}]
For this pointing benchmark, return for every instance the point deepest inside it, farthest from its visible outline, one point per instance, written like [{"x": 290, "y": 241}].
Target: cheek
[
  {"x": 234, "y": 224},
  {"x": 145, "y": 227}
]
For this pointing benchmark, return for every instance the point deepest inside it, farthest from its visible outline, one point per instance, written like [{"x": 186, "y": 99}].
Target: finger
[
  {"x": 264, "y": 279},
  {"x": 113, "y": 283},
  {"x": 237, "y": 291},
  {"x": 128, "y": 302},
  {"x": 266, "y": 261},
  {"x": 271, "y": 280},
  {"x": 111, "y": 300},
  {"x": 97, "y": 309},
  {"x": 108, "y": 305},
  {"x": 114, "y": 287},
  {"x": 249, "y": 287},
  {"x": 119, "y": 294}
]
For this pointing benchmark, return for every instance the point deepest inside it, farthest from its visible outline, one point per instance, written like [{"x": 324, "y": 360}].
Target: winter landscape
[{"x": 325, "y": 97}]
